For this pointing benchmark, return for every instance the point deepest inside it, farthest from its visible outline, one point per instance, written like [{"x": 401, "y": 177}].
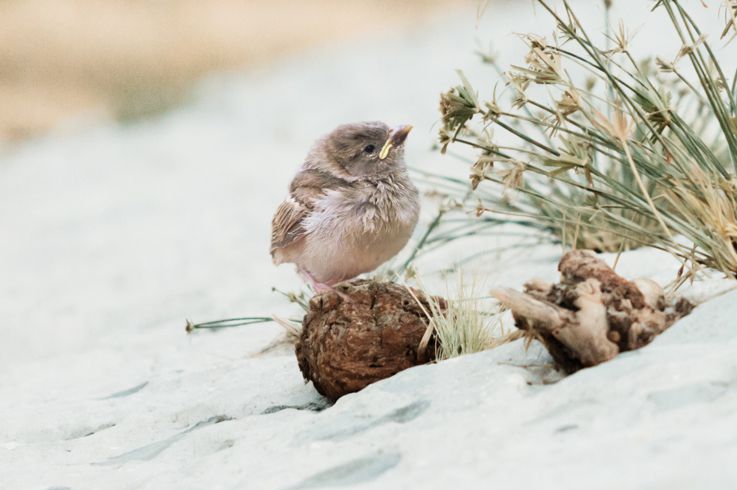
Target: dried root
[{"x": 592, "y": 314}]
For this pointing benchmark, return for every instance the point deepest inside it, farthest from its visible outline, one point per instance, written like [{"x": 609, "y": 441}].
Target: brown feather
[
  {"x": 286, "y": 226},
  {"x": 306, "y": 188}
]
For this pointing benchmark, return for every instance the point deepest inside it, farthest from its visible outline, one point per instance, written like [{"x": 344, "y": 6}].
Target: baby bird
[{"x": 351, "y": 206}]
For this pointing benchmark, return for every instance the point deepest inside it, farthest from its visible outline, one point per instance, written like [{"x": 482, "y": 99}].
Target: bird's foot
[{"x": 321, "y": 287}]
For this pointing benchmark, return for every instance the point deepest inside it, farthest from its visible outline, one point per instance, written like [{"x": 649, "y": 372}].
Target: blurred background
[
  {"x": 66, "y": 60},
  {"x": 144, "y": 145}
]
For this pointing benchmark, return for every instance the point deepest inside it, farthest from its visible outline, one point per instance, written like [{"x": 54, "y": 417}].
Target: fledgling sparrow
[{"x": 351, "y": 206}]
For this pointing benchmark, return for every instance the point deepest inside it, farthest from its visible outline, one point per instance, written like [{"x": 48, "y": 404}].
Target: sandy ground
[{"x": 115, "y": 234}]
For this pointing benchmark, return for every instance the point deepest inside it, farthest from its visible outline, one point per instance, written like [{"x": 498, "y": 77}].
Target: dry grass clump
[
  {"x": 607, "y": 152},
  {"x": 461, "y": 325},
  {"x": 464, "y": 328}
]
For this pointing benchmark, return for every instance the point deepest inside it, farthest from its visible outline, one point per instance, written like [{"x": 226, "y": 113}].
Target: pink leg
[{"x": 319, "y": 287}]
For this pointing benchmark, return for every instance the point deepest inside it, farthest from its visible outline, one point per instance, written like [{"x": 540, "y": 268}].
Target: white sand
[{"x": 112, "y": 236}]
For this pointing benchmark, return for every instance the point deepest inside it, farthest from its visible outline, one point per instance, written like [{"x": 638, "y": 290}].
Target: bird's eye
[{"x": 369, "y": 149}]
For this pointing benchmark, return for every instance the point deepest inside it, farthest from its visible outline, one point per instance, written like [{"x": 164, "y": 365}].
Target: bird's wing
[
  {"x": 286, "y": 226},
  {"x": 307, "y": 187}
]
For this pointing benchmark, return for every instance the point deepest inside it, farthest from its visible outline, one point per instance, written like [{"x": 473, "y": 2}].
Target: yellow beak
[{"x": 396, "y": 138}]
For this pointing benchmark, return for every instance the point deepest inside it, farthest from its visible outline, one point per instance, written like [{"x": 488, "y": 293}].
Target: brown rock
[{"x": 371, "y": 333}]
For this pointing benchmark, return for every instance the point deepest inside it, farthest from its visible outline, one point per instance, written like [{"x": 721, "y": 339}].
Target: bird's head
[{"x": 367, "y": 148}]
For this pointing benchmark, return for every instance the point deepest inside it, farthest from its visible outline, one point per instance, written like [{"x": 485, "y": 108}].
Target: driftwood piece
[
  {"x": 592, "y": 314},
  {"x": 369, "y": 332}
]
